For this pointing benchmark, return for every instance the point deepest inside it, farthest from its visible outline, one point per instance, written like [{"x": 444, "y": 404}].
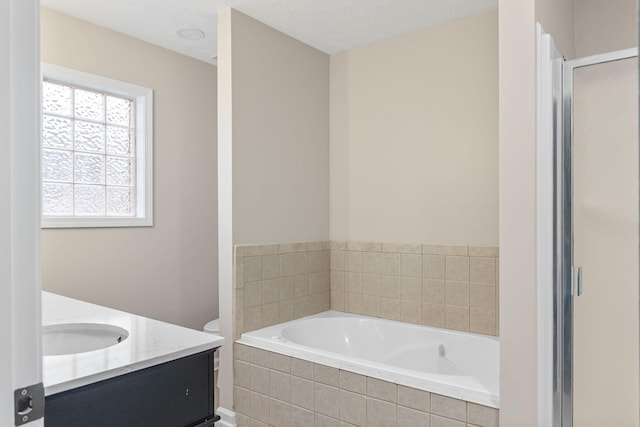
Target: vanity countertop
[{"x": 150, "y": 342}]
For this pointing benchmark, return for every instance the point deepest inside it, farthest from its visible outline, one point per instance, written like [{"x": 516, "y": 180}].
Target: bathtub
[{"x": 456, "y": 364}]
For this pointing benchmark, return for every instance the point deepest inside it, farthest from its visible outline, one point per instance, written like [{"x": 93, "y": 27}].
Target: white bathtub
[{"x": 456, "y": 364}]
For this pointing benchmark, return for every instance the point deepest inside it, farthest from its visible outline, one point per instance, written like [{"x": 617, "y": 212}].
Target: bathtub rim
[{"x": 367, "y": 368}]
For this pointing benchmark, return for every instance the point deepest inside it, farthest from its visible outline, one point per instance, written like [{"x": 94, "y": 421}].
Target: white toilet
[{"x": 213, "y": 327}]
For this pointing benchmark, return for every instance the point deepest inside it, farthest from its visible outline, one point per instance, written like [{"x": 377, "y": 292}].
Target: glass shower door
[{"x": 606, "y": 243}]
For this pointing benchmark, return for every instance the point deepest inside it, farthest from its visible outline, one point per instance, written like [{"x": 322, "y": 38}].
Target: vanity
[{"x": 104, "y": 367}]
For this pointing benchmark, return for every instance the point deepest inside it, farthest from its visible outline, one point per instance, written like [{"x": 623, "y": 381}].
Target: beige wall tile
[
  {"x": 336, "y": 244},
  {"x": 252, "y": 294},
  {"x": 413, "y": 398},
  {"x": 412, "y": 418},
  {"x": 302, "y": 368},
  {"x": 381, "y": 414},
  {"x": 279, "y": 385},
  {"x": 433, "y": 315},
  {"x": 300, "y": 263},
  {"x": 390, "y": 286},
  {"x": 337, "y": 301},
  {"x": 370, "y": 305},
  {"x": 482, "y": 416},
  {"x": 433, "y": 266},
  {"x": 411, "y": 311},
  {"x": 402, "y": 248},
  {"x": 300, "y": 307},
  {"x": 457, "y": 318},
  {"x": 256, "y": 423},
  {"x": 437, "y": 421},
  {"x": 353, "y": 408},
  {"x": 372, "y": 262},
  {"x": 482, "y": 321},
  {"x": 301, "y": 417},
  {"x": 484, "y": 251},
  {"x": 337, "y": 260},
  {"x": 238, "y": 266},
  {"x": 318, "y": 246},
  {"x": 497, "y": 271},
  {"x": 411, "y": 288},
  {"x": 433, "y": 291},
  {"x": 286, "y": 288},
  {"x": 279, "y": 413},
  {"x": 353, "y": 382},
  {"x": 337, "y": 281},
  {"x": 270, "y": 291},
  {"x": 353, "y": 303},
  {"x": 286, "y": 265},
  {"x": 364, "y": 246},
  {"x": 285, "y": 310},
  {"x": 252, "y": 268},
  {"x": 293, "y": 247},
  {"x": 327, "y": 400},
  {"x": 457, "y": 293},
  {"x": 242, "y": 400},
  {"x": 241, "y": 374},
  {"x": 353, "y": 282},
  {"x": 371, "y": 284},
  {"x": 448, "y": 407},
  {"x": 315, "y": 283},
  {"x": 326, "y": 375},
  {"x": 459, "y": 250},
  {"x": 382, "y": 390},
  {"x": 302, "y": 393},
  {"x": 411, "y": 265},
  {"x": 280, "y": 362},
  {"x": 241, "y": 352},
  {"x": 322, "y": 421},
  {"x": 242, "y": 420},
  {"x": 258, "y": 356},
  {"x": 482, "y": 296},
  {"x": 301, "y": 286},
  {"x": 482, "y": 270},
  {"x": 270, "y": 267},
  {"x": 390, "y": 308},
  {"x": 259, "y": 408},
  {"x": 353, "y": 261},
  {"x": 259, "y": 379},
  {"x": 252, "y": 318},
  {"x": 315, "y": 261},
  {"x": 270, "y": 314},
  {"x": 391, "y": 264},
  {"x": 457, "y": 268},
  {"x": 315, "y": 304}
]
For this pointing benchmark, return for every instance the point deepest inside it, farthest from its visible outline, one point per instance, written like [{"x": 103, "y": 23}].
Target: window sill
[{"x": 97, "y": 222}]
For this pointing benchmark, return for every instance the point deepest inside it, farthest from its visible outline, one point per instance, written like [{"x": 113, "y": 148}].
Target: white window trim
[{"x": 144, "y": 152}]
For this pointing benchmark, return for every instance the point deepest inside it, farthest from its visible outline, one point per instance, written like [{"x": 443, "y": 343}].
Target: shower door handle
[{"x": 578, "y": 281}]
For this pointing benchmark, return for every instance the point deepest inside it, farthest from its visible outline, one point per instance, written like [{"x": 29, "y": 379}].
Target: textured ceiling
[{"x": 328, "y": 25}]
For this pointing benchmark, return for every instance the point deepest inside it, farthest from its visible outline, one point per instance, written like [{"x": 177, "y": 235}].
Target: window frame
[{"x": 143, "y": 98}]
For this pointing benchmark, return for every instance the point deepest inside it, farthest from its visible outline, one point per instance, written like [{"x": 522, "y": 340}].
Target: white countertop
[{"x": 150, "y": 343}]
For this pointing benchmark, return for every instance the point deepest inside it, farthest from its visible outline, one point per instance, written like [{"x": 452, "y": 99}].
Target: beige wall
[
  {"x": 273, "y": 150},
  {"x": 414, "y": 136},
  {"x": 518, "y": 348},
  {"x": 604, "y": 26},
  {"x": 557, "y": 19},
  {"x": 168, "y": 271},
  {"x": 280, "y": 116}
]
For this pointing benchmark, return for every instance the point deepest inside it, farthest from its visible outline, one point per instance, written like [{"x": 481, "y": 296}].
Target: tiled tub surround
[
  {"x": 276, "y": 283},
  {"x": 446, "y": 286},
  {"x": 272, "y": 389}
]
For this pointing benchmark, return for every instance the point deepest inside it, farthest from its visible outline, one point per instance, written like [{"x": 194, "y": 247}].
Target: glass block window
[{"x": 93, "y": 153}]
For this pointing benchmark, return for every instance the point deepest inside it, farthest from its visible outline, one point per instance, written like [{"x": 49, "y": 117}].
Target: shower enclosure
[{"x": 596, "y": 363}]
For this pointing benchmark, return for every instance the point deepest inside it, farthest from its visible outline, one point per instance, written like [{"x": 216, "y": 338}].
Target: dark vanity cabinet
[{"x": 178, "y": 393}]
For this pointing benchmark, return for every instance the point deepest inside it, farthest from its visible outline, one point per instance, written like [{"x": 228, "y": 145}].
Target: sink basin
[{"x": 73, "y": 338}]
